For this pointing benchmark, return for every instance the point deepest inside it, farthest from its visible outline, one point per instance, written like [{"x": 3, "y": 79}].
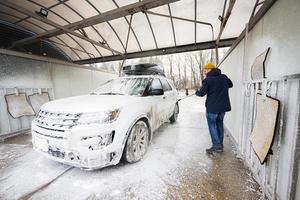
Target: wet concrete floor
[{"x": 175, "y": 167}]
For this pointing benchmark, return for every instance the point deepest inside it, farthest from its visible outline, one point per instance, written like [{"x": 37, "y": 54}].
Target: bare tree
[
  {"x": 193, "y": 72},
  {"x": 170, "y": 59},
  {"x": 179, "y": 84},
  {"x": 201, "y": 58},
  {"x": 185, "y": 77},
  {"x": 185, "y": 70}
]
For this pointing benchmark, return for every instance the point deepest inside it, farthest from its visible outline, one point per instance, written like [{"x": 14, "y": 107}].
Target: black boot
[{"x": 214, "y": 149}]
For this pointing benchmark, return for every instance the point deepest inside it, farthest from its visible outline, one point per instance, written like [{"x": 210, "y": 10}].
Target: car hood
[{"x": 89, "y": 103}]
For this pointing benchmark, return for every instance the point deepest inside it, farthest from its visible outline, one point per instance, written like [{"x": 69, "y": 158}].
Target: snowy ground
[{"x": 175, "y": 167}]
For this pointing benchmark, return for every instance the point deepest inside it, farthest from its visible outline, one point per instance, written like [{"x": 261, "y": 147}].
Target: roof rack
[{"x": 144, "y": 69}]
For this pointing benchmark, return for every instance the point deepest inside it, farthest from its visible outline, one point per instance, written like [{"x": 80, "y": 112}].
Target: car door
[
  {"x": 157, "y": 101},
  {"x": 169, "y": 99}
]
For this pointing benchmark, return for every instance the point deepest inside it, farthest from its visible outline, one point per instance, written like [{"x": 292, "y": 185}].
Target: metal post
[
  {"x": 195, "y": 21},
  {"x": 138, "y": 43},
  {"x": 281, "y": 128},
  {"x": 254, "y": 9},
  {"x": 296, "y": 151},
  {"x": 127, "y": 39},
  {"x": 128, "y": 33},
  {"x": 246, "y": 102},
  {"x": 184, "y": 19},
  {"x": 217, "y": 55}
]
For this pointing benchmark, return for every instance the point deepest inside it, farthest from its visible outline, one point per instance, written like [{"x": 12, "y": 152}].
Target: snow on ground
[
  {"x": 27, "y": 174},
  {"x": 176, "y": 151}
]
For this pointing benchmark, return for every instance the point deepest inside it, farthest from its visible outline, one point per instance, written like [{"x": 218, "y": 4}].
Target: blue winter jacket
[{"x": 215, "y": 86}]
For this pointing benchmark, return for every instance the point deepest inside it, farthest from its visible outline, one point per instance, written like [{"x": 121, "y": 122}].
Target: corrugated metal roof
[{"x": 169, "y": 25}]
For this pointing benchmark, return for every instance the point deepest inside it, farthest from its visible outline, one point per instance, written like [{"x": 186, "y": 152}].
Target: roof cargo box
[{"x": 144, "y": 69}]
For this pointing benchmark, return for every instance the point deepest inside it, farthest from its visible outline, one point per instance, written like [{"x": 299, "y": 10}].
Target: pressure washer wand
[{"x": 185, "y": 97}]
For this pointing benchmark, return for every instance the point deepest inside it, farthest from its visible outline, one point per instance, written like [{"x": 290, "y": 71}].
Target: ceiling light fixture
[{"x": 43, "y": 12}]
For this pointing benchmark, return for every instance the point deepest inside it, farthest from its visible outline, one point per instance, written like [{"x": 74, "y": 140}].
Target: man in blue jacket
[{"x": 215, "y": 86}]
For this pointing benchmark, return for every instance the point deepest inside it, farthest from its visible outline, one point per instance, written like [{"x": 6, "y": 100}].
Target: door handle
[{"x": 164, "y": 97}]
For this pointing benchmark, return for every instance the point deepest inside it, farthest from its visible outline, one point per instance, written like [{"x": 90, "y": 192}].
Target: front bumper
[{"x": 69, "y": 148}]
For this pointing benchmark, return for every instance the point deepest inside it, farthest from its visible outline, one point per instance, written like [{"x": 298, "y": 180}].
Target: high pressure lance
[{"x": 185, "y": 97}]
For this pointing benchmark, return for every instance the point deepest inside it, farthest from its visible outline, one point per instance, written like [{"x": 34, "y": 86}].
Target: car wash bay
[
  {"x": 175, "y": 167},
  {"x": 49, "y": 51}
]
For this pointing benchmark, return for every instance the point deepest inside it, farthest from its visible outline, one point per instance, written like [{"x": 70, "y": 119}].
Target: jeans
[{"x": 216, "y": 128}]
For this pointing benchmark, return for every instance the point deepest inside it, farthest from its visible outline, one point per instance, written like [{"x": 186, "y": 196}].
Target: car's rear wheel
[
  {"x": 173, "y": 118},
  {"x": 137, "y": 142}
]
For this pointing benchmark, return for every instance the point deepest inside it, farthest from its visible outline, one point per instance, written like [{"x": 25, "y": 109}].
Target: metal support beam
[
  {"x": 64, "y": 44},
  {"x": 83, "y": 31},
  {"x": 222, "y": 20},
  {"x": 257, "y": 4},
  {"x": 127, "y": 39},
  {"x": 34, "y": 24},
  {"x": 150, "y": 25},
  {"x": 162, "y": 51},
  {"x": 128, "y": 33},
  {"x": 260, "y": 13},
  {"x": 50, "y": 7},
  {"x": 179, "y": 18},
  {"x": 107, "y": 16},
  {"x": 109, "y": 24},
  {"x": 138, "y": 42},
  {"x": 225, "y": 19},
  {"x": 172, "y": 23},
  {"x": 58, "y": 15},
  {"x": 195, "y": 2},
  {"x": 188, "y": 20},
  {"x": 183, "y": 19},
  {"x": 223, "y": 24},
  {"x": 47, "y": 21}
]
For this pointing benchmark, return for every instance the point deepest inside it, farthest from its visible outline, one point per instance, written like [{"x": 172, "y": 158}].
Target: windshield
[{"x": 123, "y": 86}]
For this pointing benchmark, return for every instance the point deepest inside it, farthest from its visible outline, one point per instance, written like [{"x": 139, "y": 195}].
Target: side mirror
[{"x": 156, "y": 92}]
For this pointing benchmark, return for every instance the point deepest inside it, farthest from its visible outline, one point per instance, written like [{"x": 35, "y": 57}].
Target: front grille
[
  {"x": 56, "y": 121},
  {"x": 49, "y": 135}
]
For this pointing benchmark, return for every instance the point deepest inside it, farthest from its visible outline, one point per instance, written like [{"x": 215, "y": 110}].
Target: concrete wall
[
  {"x": 279, "y": 29},
  {"x": 70, "y": 81},
  {"x": 29, "y": 75}
]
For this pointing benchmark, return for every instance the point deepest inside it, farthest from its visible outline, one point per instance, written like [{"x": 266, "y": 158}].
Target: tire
[
  {"x": 173, "y": 118},
  {"x": 137, "y": 142}
]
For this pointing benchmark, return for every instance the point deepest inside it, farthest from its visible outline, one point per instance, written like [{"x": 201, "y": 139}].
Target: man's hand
[{"x": 203, "y": 90}]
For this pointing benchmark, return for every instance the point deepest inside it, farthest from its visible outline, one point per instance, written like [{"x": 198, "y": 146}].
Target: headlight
[
  {"x": 99, "y": 141},
  {"x": 99, "y": 118}
]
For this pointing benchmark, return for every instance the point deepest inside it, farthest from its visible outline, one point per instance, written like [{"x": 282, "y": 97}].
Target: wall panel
[
  {"x": 279, "y": 29},
  {"x": 32, "y": 76}
]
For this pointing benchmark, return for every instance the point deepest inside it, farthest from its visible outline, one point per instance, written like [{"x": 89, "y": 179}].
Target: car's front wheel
[{"x": 137, "y": 142}]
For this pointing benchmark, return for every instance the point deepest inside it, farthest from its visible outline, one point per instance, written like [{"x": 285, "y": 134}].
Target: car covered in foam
[{"x": 115, "y": 121}]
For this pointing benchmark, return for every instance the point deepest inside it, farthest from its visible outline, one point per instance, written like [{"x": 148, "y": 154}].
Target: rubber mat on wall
[
  {"x": 262, "y": 135},
  {"x": 38, "y": 99},
  {"x": 258, "y": 67},
  {"x": 18, "y": 106}
]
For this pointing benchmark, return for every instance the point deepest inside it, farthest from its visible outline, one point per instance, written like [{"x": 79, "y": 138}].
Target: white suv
[{"x": 116, "y": 120}]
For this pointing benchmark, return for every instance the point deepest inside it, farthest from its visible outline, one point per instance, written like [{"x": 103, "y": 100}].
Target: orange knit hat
[{"x": 209, "y": 66}]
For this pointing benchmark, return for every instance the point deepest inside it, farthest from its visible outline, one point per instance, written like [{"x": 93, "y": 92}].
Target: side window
[
  {"x": 166, "y": 86},
  {"x": 155, "y": 85}
]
